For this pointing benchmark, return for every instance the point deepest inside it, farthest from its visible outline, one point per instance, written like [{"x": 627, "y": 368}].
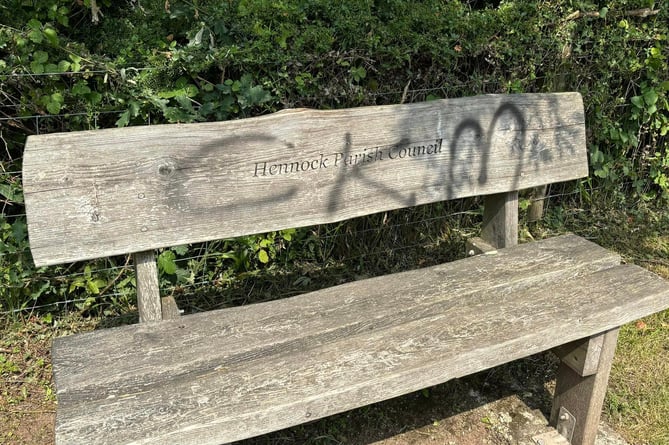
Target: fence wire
[{"x": 207, "y": 252}]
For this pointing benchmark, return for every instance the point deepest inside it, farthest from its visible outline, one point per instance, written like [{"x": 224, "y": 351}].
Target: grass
[{"x": 637, "y": 402}]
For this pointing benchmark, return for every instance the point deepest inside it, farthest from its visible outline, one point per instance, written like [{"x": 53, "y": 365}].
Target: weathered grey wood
[
  {"x": 583, "y": 355},
  {"x": 285, "y": 362},
  {"x": 500, "y": 219},
  {"x": 170, "y": 310},
  {"x": 476, "y": 246},
  {"x": 529, "y": 265},
  {"x": 88, "y": 195},
  {"x": 583, "y": 396},
  {"x": 536, "y": 210},
  {"x": 148, "y": 290},
  {"x": 551, "y": 437}
]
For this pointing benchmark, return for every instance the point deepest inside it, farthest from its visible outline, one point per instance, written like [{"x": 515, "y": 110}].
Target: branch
[
  {"x": 645, "y": 12},
  {"x": 95, "y": 12}
]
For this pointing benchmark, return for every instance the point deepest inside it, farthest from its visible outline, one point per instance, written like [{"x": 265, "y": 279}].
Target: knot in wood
[{"x": 166, "y": 168}]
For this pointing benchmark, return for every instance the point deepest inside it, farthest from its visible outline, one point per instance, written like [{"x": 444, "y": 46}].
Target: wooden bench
[{"x": 225, "y": 375}]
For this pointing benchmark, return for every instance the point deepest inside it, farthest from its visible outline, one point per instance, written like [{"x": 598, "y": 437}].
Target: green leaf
[
  {"x": 36, "y": 36},
  {"x": 80, "y": 88},
  {"x": 40, "y": 56},
  {"x": 10, "y": 193},
  {"x": 34, "y": 24},
  {"x": 262, "y": 256},
  {"x": 180, "y": 250},
  {"x": 51, "y": 35},
  {"x": 92, "y": 287},
  {"x": 63, "y": 66},
  {"x": 637, "y": 101},
  {"x": 53, "y": 107},
  {"x": 36, "y": 67},
  {"x": 166, "y": 262},
  {"x": 124, "y": 120},
  {"x": 650, "y": 97}
]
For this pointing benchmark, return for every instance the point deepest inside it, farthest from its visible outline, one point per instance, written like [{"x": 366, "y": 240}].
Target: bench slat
[
  {"x": 369, "y": 352},
  {"x": 114, "y": 191},
  {"x": 237, "y": 332}
]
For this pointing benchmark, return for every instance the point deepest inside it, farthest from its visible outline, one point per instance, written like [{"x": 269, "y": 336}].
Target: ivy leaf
[
  {"x": 637, "y": 101},
  {"x": 262, "y": 256}
]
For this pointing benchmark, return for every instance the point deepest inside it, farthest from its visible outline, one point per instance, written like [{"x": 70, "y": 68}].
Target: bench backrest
[{"x": 115, "y": 191}]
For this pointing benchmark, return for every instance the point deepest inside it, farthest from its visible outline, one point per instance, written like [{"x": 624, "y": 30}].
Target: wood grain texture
[
  {"x": 583, "y": 397},
  {"x": 476, "y": 246},
  {"x": 114, "y": 191},
  {"x": 170, "y": 310},
  {"x": 225, "y": 375},
  {"x": 583, "y": 355},
  {"x": 500, "y": 219},
  {"x": 148, "y": 287}
]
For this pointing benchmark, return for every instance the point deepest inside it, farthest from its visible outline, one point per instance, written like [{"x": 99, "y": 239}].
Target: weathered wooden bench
[{"x": 229, "y": 374}]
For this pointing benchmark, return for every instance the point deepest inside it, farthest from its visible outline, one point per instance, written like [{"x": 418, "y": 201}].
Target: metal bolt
[{"x": 564, "y": 417}]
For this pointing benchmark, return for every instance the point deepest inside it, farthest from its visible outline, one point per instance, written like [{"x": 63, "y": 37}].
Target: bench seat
[{"x": 230, "y": 374}]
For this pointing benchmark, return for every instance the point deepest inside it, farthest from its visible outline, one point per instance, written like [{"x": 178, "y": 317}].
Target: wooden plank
[
  {"x": 528, "y": 265},
  {"x": 88, "y": 195},
  {"x": 230, "y": 374},
  {"x": 170, "y": 310},
  {"x": 583, "y": 355},
  {"x": 583, "y": 397},
  {"x": 272, "y": 387},
  {"x": 476, "y": 246},
  {"x": 148, "y": 290},
  {"x": 500, "y": 219},
  {"x": 536, "y": 210}
]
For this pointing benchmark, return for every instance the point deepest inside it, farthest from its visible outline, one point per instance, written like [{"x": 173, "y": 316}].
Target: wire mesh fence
[{"x": 220, "y": 273}]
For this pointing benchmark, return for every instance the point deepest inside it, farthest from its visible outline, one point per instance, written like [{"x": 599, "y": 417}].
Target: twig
[
  {"x": 95, "y": 12},
  {"x": 653, "y": 261},
  {"x": 406, "y": 90},
  {"x": 40, "y": 411},
  {"x": 112, "y": 282},
  {"x": 645, "y": 12},
  {"x": 580, "y": 14}
]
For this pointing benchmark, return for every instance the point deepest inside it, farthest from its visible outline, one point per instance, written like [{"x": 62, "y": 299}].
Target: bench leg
[{"x": 578, "y": 401}]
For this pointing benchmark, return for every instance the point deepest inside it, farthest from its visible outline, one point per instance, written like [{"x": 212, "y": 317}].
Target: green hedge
[{"x": 82, "y": 65}]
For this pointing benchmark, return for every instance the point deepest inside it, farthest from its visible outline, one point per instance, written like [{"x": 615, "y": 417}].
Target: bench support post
[
  {"x": 148, "y": 292},
  {"x": 500, "y": 219},
  {"x": 578, "y": 400}
]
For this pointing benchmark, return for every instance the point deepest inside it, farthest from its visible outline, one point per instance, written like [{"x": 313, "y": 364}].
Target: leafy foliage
[{"x": 68, "y": 66}]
